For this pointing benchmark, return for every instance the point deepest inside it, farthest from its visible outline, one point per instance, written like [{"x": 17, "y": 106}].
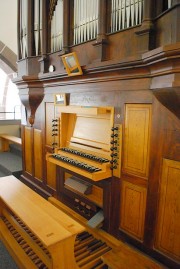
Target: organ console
[
  {"x": 92, "y": 147},
  {"x": 87, "y": 155}
]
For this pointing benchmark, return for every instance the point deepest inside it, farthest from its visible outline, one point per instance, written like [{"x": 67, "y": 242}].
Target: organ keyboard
[
  {"x": 87, "y": 142},
  {"x": 95, "y": 169}
]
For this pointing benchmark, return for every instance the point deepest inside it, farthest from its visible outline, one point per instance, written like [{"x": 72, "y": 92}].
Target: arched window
[{"x": 10, "y": 104}]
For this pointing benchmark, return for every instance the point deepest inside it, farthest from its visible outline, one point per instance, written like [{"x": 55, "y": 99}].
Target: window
[{"x": 10, "y": 104}]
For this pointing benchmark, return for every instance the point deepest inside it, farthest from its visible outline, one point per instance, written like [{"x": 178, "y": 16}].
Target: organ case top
[{"x": 88, "y": 142}]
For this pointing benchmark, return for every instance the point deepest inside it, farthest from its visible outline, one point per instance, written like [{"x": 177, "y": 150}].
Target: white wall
[{"x": 8, "y": 24}]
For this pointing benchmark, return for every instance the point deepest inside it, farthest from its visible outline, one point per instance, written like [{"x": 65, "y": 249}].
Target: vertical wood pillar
[
  {"x": 101, "y": 41},
  {"x": 44, "y": 26},
  {"x": 146, "y": 31},
  {"x": 29, "y": 28},
  {"x": 66, "y": 25},
  {"x": 44, "y": 63},
  {"x": 19, "y": 56}
]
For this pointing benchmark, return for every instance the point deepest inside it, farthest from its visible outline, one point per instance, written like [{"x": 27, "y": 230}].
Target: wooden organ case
[
  {"x": 135, "y": 84},
  {"x": 87, "y": 153}
]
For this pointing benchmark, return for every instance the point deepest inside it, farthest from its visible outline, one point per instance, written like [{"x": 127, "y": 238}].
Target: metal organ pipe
[
  {"x": 57, "y": 27},
  {"x": 37, "y": 26},
  {"x": 23, "y": 28},
  {"x": 169, "y": 3},
  {"x": 85, "y": 20},
  {"x": 125, "y": 14}
]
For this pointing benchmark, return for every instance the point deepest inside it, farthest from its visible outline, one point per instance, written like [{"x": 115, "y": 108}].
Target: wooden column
[
  {"x": 19, "y": 56},
  {"x": 101, "y": 41},
  {"x": 29, "y": 28},
  {"x": 146, "y": 31},
  {"x": 44, "y": 27},
  {"x": 66, "y": 25},
  {"x": 44, "y": 63},
  {"x": 70, "y": 20}
]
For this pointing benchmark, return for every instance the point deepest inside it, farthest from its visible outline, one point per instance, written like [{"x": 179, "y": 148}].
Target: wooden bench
[
  {"x": 39, "y": 235},
  {"x": 121, "y": 255},
  {"x": 7, "y": 139},
  {"x": 36, "y": 233}
]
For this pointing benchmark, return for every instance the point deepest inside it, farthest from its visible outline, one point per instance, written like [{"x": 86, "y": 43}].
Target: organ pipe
[{"x": 125, "y": 14}]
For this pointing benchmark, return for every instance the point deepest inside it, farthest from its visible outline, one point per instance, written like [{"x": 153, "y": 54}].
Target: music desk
[{"x": 36, "y": 233}]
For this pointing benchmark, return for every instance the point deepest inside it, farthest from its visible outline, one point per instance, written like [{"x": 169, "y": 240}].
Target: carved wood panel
[
  {"x": 168, "y": 222},
  {"x": 38, "y": 163},
  {"x": 132, "y": 209},
  {"x": 28, "y": 151},
  {"x": 51, "y": 175},
  {"x": 137, "y": 139}
]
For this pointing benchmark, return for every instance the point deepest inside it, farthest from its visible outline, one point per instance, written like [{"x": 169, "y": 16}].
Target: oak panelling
[
  {"x": 51, "y": 175},
  {"x": 168, "y": 221},
  {"x": 28, "y": 152},
  {"x": 164, "y": 27},
  {"x": 137, "y": 139},
  {"x": 38, "y": 157},
  {"x": 163, "y": 145},
  {"x": 132, "y": 209}
]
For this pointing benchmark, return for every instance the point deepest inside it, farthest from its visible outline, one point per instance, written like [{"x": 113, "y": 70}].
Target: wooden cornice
[{"x": 158, "y": 70}]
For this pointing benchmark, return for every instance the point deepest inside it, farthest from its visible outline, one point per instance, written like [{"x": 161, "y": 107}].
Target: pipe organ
[
  {"x": 125, "y": 14},
  {"x": 23, "y": 28},
  {"x": 88, "y": 150},
  {"x": 109, "y": 152},
  {"x": 57, "y": 27},
  {"x": 38, "y": 26},
  {"x": 85, "y": 20}
]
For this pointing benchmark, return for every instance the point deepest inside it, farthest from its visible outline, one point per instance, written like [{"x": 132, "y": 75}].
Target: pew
[{"x": 7, "y": 139}]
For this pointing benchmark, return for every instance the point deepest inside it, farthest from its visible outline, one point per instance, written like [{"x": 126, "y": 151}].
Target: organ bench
[
  {"x": 36, "y": 233},
  {"x": 39, "y": 234}
]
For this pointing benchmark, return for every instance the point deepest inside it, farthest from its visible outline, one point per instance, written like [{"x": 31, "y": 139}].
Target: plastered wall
[{"x": 8, "y": 22}]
